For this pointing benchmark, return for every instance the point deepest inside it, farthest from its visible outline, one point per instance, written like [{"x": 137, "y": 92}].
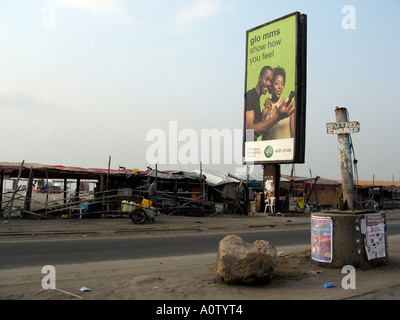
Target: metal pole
[{"x": 345, "y": 161}]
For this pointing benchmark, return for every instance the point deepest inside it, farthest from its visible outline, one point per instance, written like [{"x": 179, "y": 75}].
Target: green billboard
[{"x": 274, "y": 111}]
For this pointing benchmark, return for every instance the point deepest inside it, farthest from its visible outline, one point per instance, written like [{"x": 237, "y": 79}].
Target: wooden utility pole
[
  {"x": 343, "y": 128},
  {"x": 346, "y": 165}
]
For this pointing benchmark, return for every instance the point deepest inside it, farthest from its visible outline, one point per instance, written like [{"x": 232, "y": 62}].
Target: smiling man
[{"x": 252, "y": 102}]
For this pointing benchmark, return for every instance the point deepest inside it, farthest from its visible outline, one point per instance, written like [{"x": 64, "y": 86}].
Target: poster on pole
[
  {"x": 375, "y": 236},
  {"x": 321, "y": 239},
  {"x": 275, "y": 87}
]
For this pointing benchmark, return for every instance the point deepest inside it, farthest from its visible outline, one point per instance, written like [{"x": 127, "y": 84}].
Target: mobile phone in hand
[{"x": 291, "y": 96}]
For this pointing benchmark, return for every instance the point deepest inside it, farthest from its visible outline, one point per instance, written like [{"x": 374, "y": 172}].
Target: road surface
[{"x": 39, "y": 253}]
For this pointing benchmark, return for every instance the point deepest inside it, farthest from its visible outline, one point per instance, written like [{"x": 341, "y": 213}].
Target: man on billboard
[{"x": 261, "y": 122}]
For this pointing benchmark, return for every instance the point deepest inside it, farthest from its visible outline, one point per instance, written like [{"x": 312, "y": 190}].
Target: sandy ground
[
  {"x": 187, "y": 277},
  {"x": 193, "y": 277}
]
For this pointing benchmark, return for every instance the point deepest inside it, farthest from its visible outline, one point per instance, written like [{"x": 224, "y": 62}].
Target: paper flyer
[
  {"x": 375, "y": 238},
  {"x": 321, "y": 239}
]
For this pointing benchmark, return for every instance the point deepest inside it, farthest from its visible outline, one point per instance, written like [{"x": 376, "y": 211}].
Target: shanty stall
[
  {"x": 315, "y": 193},
  {"x": 378, "y": 194},
  {"x": 229, "y": 194},
  {"x": 33, "y": 193},
  {"x": 319, "y": 193},
  {"x": 27, "y": 182},
  {"x": 178, "y": 192},
  {"x": 37, "y": 190}
]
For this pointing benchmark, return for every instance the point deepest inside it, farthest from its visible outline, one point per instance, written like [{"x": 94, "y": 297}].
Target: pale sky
[{"x": 82, "y": 80}]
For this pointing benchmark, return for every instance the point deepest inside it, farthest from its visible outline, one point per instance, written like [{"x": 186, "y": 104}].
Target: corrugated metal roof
[
  {"x": 215, "y": 178},
  {"x": 57, "y": 171}
]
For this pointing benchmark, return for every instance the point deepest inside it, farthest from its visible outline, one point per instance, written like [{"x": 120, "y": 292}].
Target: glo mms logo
[{"x": 269, "y": 151}]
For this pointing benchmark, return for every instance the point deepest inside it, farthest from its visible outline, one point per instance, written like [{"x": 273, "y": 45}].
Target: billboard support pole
[
  {"x": 271, "y": 179},
  {"x": 345, "y": 161}
]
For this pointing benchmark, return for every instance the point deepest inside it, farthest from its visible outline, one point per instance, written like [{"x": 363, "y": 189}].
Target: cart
[{"x": 139, "y": 213}]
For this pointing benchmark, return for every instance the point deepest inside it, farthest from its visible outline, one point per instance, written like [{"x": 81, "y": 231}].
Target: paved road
[{"x": 39, "y": 253}]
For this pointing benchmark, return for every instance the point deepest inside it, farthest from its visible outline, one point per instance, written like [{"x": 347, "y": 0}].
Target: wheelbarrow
[{"x": 139, "y": 213}]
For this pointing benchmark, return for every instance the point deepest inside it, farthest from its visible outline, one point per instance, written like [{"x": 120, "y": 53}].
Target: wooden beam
[
  {"x": 15, "y": 188},
  {"x": 1, "y": 189},
  {"x": 28, "y": 196}
]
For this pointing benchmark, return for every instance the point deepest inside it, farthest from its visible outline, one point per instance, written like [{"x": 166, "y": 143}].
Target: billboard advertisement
[{"x": 274, "y": 111}]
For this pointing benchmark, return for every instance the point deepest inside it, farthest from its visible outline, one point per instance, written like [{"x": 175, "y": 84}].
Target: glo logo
[{"x": 269, "y": 151}]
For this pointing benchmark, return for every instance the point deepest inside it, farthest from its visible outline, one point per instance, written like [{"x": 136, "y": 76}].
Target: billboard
[{"x": 275, "y": 91}]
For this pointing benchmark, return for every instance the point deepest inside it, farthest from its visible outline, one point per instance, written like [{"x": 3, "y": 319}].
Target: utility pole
[
  {"x": 346, "y": 166},
  {"x": 348, "y": 237},
  {"x": 343, "y": 128}
]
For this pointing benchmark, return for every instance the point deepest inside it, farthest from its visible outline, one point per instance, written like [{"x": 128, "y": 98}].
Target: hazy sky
[{"x": 82, "y": 80}]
